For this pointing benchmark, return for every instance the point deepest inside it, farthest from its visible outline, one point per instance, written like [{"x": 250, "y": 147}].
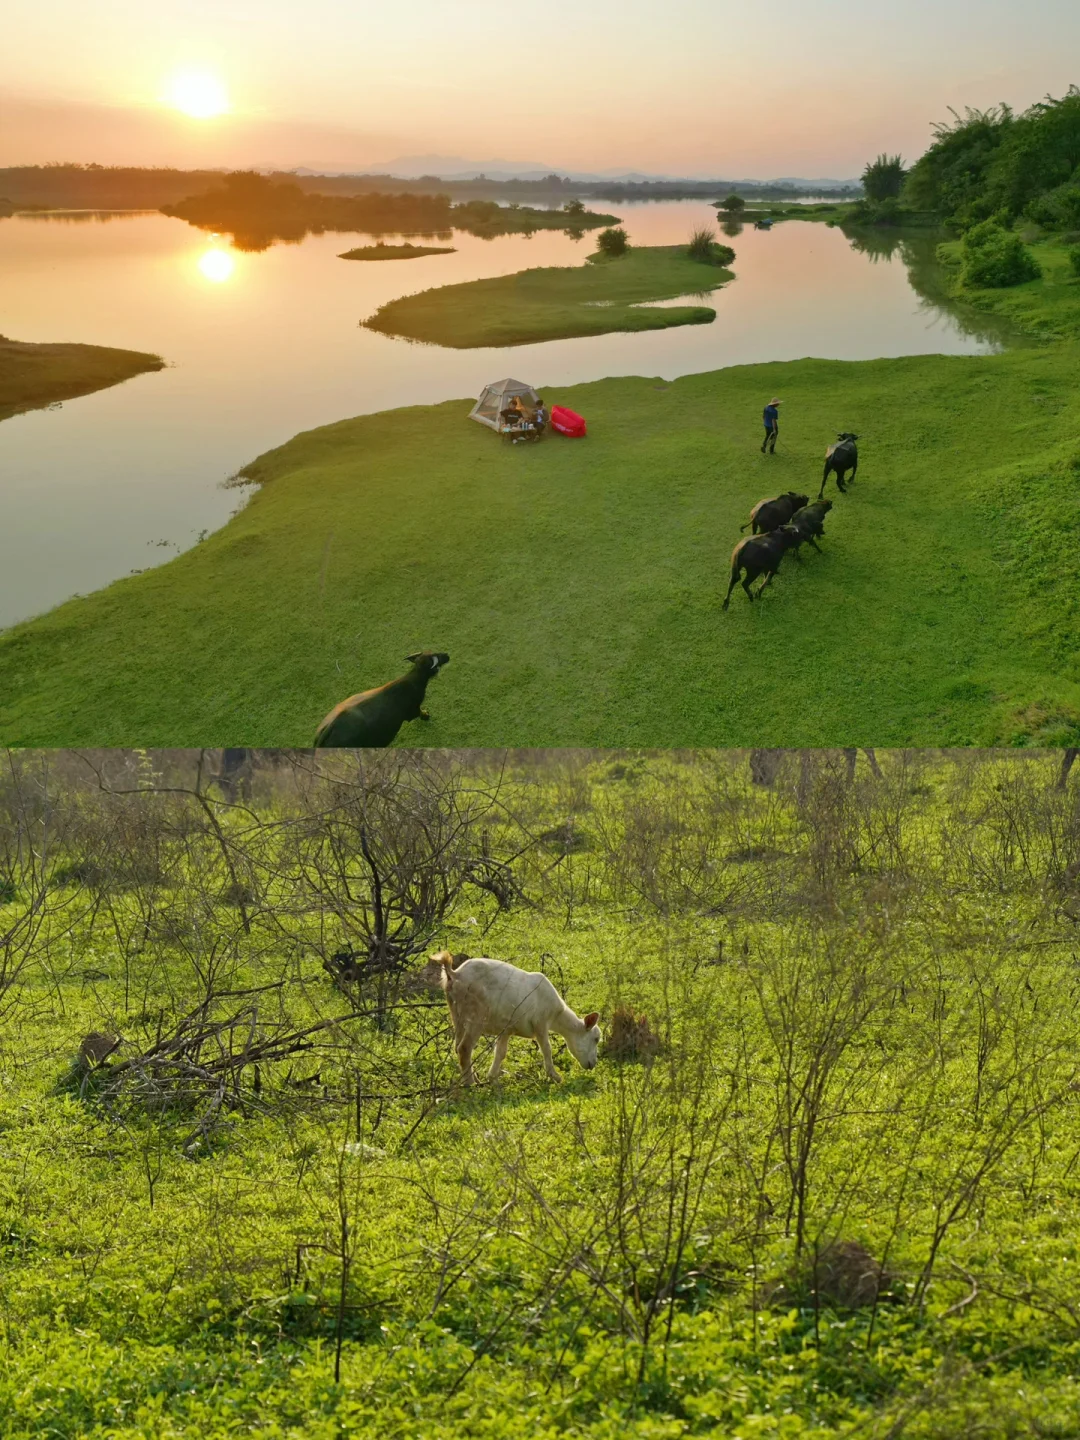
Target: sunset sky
[{"x": 675, "y": 86}]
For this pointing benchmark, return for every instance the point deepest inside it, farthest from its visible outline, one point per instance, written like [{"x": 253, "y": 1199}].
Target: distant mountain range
[{"x": 457, "y": 167}]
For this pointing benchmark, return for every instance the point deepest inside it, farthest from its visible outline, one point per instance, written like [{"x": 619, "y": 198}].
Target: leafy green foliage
[
  {"x": 733, "y": 204},
  {"x": 883, "y": 178},
  {"x": 862, "y": 989},
  {"x": 1058, "y": 209},
  {"x": 993, "y": 258},
  {"x": 613, "y": 241},
  {"x": 995, "y": 162},
  {"x": 1074, "y": 260}
]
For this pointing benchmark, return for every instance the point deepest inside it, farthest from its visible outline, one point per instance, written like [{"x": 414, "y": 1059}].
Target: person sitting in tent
[{"x": 514, "y": 413}]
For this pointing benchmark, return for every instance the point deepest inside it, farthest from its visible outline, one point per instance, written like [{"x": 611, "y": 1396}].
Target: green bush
[
  {"x": 883, "y": 178},
  {"x": 878, "y": 212},
  {"x": 613, "y": 242},
  {"x": 994, "y": 258},
  {"x": 703, "y": 246},
  {"x": 701, "y": 243},
  {"x": 1058, "y": 209},
  {"x": 1074, "y": 260},
  {"x": 733, "y": 204}
]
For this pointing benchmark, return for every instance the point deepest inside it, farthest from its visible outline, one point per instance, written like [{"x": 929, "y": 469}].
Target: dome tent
[{"x": 497, "y": 396}]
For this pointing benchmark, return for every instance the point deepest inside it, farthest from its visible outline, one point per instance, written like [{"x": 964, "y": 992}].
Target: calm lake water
[{"x": 260, "y": 346}]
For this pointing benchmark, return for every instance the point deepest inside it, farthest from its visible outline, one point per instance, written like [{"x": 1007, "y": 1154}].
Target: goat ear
[{"x": 590, "y": 1020}]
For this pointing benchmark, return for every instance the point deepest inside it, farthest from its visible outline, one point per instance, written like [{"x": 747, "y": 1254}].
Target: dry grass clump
[{"x": 629, "y": 1036}]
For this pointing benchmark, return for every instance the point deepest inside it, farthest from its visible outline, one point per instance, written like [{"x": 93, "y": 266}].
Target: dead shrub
[
  {"x": 629, "y": 1036},
  {"x": 842, "y": 1275}
]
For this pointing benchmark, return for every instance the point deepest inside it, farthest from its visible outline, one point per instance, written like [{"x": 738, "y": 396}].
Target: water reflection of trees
[
  {"x": 78, "y": 217},
  {"x": 917, "y": 252}
]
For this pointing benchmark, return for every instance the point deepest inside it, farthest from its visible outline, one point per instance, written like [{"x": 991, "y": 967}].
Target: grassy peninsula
[
  {"x": 822, "y": 1182},
  {"x": 33, "y": 375},
  {"x": 395, "y": 252},
  {"x": 577, "y": 584},
  {"x": 557, "y": 302}
]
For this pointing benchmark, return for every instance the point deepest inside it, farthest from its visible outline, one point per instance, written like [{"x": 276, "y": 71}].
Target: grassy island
[
  {"x": 558, "y": 302},
  {"x": 395, "y": 252},
  {"x": 35, "y": 375}
]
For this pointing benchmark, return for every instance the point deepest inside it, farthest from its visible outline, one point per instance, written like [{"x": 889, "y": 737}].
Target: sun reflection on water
[{"x": 216, "y": 265}]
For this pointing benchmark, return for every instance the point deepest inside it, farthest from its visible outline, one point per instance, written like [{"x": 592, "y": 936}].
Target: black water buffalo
[
  {"x": 809, "y": 522},
  {"x": 759, "y": 555},
  {"x": 372, "y": 718},
  {"x": 840, "y": 458},
  {"x": 771, "y": 514}
]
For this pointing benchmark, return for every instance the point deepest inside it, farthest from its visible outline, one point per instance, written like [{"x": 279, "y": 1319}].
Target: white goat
[{"x": 490, "y": 997}]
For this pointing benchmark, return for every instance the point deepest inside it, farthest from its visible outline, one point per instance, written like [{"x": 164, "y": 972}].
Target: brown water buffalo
[
  {"x": 759, "y": 555},
  {"x": 809, "y": 522},
  {"x": 769, "y": 515},
  {"x": 839, "y": 459},
  {"x": 371, "y": 719}
]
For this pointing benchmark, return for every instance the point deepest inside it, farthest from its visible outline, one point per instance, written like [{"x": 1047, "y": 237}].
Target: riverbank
[
  {"x": 33, "y": 375},
  {"x": 1048, "y": 307},
  {"x": 578, "y": 585},
  {"x": 558, "y": 302}
]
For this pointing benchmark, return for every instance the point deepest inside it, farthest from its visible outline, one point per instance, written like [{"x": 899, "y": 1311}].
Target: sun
[{"x": 197, "y": 93}]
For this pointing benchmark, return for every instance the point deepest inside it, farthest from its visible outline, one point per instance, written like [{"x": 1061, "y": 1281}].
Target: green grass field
[
  {"x": 577, "y": 584},
  {"x": 34, "y": 375},
  {"x": 864, "y": 1000},
  {"x": 557, "y": 302}
]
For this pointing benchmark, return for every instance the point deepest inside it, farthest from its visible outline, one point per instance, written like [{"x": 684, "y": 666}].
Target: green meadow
[
  {"x": 577, "y": 584},
  {"x": 34, "y": 375},
  {"x": 558, "y": 302},
  {"x": 821, "y": 1182}
]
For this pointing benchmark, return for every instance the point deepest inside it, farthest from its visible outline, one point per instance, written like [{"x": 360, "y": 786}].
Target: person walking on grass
[{"x": 771, "y": 417}]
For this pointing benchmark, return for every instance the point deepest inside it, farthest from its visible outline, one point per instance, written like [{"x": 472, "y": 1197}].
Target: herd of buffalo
[
  {"x": 373, "y": 718},
  {"x": 788, "y": 522}
]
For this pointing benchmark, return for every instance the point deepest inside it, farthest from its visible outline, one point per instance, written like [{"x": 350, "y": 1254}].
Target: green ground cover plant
[
  {"x": 33, "y": 375},
  {"x": 242, "y": 1192},
  {"x": 577, "y": 584},
  {"x": 558, "y": 302}
]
